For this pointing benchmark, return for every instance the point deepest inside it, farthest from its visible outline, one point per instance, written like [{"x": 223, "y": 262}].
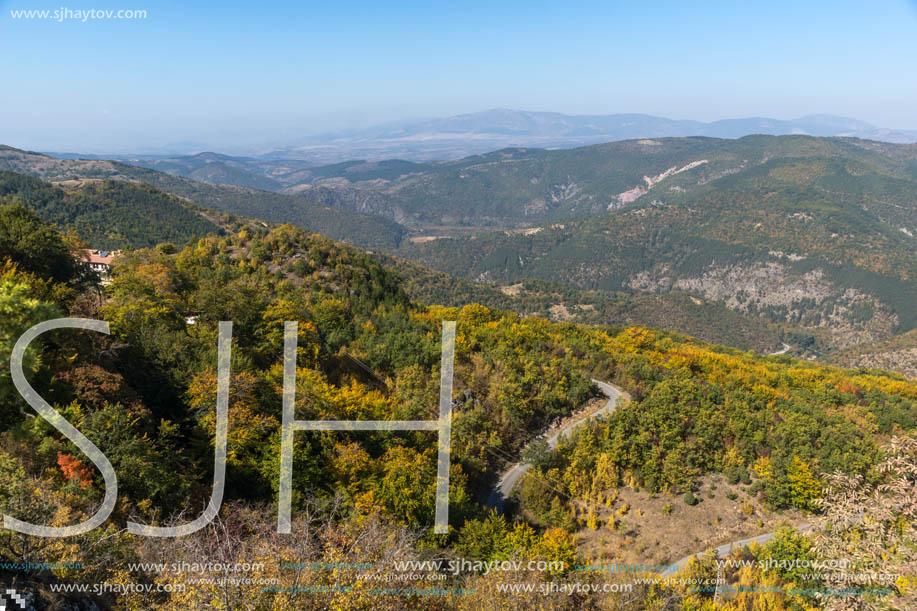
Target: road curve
[
  {"x": 783, "y": 350},
  {"x": 509, "y": 480}
]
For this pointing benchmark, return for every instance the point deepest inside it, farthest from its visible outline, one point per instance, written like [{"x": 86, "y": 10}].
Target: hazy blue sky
[{"x": 239, "y": 72}]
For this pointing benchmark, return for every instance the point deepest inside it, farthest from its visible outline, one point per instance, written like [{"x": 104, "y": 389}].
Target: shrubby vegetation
[
  {"x": 367, "y": 230},
  {"x": 699, "y": 410},
  {"x": 145, "y": 396},
  {"x": 865, "y": 542},
  {"x": 673, "y": 311}
]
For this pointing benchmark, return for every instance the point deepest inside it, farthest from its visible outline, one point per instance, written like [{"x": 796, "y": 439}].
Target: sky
[{"x": 232, "y": 74}]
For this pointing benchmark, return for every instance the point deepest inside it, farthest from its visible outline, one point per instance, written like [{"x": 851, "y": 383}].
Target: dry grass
[{"x": 646, "y": 535}]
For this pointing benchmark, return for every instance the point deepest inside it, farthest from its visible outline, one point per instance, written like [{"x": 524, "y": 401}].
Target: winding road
[
  {"x": 509, "y": 480},
  {"x": 512, "y": 477}
]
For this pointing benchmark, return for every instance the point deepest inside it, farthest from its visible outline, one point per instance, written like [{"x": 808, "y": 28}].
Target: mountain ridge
[
  {"x": 813, "y": 235},
  {"x": 453, "y": 137},
  {"x": 361, "y": 229},
  {"x": 461, "y": 135}
]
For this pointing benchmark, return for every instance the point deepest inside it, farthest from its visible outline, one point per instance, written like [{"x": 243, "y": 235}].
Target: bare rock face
[
  {"x": 844, "y": 316},
  {"x": 903, "y": 361},
  {"x": 898, "y": 353},
  {"x": 534, "y": 206}
]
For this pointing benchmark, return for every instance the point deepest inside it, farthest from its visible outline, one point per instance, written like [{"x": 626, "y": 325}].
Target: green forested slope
[
  {"x": 519, "y": 187},
  {"x": 108, "y": 214},
  {"x": 674, "y": 311},
  {"x": 145, "y": 394},
  {"x": 816, "y": 242},
  {"x": 361, "y": 229}
]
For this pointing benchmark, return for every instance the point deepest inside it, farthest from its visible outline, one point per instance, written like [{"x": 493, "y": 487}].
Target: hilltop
[
  {"x": 362, "y": 229},
  {"x": 111, "y": 214}
]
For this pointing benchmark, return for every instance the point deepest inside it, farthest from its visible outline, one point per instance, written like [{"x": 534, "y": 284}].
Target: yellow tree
[{"x": 804, "y": 486}]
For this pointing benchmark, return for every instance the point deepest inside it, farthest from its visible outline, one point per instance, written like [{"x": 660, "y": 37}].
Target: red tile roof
[{"x": 103, "y": 257}]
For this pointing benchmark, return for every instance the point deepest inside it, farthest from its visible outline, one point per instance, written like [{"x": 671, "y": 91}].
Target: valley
[
  {"x": 716, "y": 443},
  {"x": 477, "y": 306},
  {"x": 792, "y": 238}
]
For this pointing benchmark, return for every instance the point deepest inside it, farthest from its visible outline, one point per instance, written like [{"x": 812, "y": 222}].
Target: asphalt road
[
  {"x": 509, "y": 480},
  {"x": 783, "y": 350}
]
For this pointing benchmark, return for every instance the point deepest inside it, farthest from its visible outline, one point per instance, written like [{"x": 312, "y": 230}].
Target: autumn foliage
[{"x": 74, "y": 469}]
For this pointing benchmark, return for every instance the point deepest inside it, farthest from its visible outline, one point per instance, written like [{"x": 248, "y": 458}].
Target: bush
[
  {"x": 744, "y": 475},
  {"x": 690, "y": 499},
  {"x": 755, "y": 488},
  {"x": 301, "y": 268}
]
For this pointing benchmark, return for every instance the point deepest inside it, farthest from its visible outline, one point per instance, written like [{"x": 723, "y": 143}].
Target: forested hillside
[
  {"x": 673, "y": 311},
  {"x": 361, "y": 229},
  {"x": 116, "y": 213},
  {"x": 524, "y": 187},
  {"x": 145, "y": 396},
  {"x": 824, "y": 245},
  {"x": 108, "y": 214},
  {"x": 813, "y": 235},
  {"x": 516, "y": 187}
]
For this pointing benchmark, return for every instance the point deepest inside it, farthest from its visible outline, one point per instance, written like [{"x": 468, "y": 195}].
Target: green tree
[
  {"x": 18, "y": 312},
  {"x": 36, "y": 247}
]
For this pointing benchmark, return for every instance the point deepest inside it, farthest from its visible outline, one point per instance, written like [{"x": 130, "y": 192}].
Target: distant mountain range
[{"x": 481, "y": 132}]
